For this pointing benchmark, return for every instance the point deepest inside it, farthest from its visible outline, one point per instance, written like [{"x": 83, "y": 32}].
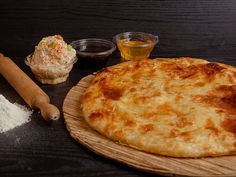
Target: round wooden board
[{"x": 168, "y": 166}]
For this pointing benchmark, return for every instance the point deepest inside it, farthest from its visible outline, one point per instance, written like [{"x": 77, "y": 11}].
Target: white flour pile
[{"x": 12, "y": 115}]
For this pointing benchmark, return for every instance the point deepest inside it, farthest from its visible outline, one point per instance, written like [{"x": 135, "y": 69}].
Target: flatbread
[{"x": 181, "y": 107}]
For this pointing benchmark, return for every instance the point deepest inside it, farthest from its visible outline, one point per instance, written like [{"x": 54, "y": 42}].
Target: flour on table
[{"x": 12, "y": 115}]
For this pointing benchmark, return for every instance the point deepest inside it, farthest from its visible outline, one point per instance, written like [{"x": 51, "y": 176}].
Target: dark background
[{"x": 202, "y": 28}]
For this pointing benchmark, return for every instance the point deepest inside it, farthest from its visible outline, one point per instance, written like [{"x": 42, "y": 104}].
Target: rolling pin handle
[{"x": 48, "y": 111}]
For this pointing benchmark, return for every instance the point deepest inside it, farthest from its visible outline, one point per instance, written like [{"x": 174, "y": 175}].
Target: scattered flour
[{"x": 12, "y": 115}]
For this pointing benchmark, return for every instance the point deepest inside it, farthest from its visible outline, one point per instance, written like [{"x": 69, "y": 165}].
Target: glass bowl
[
  {"x": 52, "y": 74},
  {"x": 135, "y": 45},
  {"x": 93, "y": 49}
]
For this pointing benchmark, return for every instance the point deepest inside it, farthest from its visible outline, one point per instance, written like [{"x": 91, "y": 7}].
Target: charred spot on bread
[
  {"x": 112, "y": 93},
  {"x": 210, "y": 70},
  {"x": 146, "y": 128},
  {"x": 229, "y": 125},
  {"x": 96, "y": 116}
]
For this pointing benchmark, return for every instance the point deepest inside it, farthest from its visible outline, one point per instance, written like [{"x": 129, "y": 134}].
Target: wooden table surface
[{"x": 202, "y": 28}]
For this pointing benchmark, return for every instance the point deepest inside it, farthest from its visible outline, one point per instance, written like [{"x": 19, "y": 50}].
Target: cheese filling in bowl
[{"x": 52, "y": 60}]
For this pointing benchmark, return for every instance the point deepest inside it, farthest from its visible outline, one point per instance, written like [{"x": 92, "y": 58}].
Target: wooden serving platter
[{"x": 168, "y": 166}]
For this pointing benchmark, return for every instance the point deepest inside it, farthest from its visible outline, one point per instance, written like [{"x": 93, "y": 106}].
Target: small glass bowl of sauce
[
  {"x": 135, "y": 45},
  {"x": 93, "y": 52}
]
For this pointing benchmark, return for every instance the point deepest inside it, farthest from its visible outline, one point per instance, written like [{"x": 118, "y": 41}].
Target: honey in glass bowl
[{"x": 135, "y": 45}]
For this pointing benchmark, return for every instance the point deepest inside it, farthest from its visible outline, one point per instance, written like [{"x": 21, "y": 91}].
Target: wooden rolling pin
[{"x": 33, "y": 95}]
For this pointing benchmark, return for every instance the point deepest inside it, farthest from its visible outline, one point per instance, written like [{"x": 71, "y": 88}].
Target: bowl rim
[
  {"x": 93, "y": 40},
  {"x": 155, "y": 38}
]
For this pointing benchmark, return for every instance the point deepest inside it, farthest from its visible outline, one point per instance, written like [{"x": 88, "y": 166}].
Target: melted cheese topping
[{"x": 176, "y": 107}]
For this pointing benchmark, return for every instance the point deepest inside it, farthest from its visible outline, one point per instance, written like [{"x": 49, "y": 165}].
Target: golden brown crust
[{"x": 182, "y": 107}]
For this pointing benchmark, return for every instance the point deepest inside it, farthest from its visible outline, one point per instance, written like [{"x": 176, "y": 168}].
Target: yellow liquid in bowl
[{"x": 135, "y": 50}]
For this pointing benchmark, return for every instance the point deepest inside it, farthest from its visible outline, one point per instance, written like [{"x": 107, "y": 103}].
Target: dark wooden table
[{"x": 203, "y": 28}]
